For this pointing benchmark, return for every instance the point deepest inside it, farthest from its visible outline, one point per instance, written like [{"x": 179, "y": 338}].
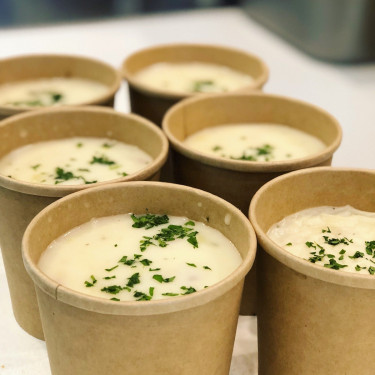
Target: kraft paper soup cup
[
  {"x": 21, "y": 201},
  {"x": 187, "y": 335},
  {"x": 311, "y": 319},
  {"x": 153, "y": 103},
  {"x": 235, "y": 180},
  {"x": 30, "y": 67}
]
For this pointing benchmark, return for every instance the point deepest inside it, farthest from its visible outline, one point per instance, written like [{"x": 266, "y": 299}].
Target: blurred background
[
  {"x": 331, "y": 30},
  {"x": 29, "y": 12}
]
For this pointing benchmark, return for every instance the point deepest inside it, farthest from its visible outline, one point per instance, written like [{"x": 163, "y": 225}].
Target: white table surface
[{"x": 347, "y": 92}]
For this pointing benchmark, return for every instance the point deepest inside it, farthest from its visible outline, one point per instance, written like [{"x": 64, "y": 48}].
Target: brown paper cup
[
  {"x": 28, "y": 67},
  {"x": 21, "y": 201},
  {"x": 187, "y": 335},
  {"x": 234, "y": 180},
  {"x": 153, "y": 104},
  {"x": 312, "y": 320}
]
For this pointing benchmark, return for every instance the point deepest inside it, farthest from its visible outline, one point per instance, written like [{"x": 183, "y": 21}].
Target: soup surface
[
  {"x": 50, "y": 92},
  {"x": 140, "y": 257},
  {"x": 192, "y": 77},
  {"x": 339, "y": 238},
  {"x": 73, "y": 161},
  {"x": 255, "y": 142}
]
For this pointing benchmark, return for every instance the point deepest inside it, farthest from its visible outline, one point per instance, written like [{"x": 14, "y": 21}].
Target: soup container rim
[
  {"x": 153, "y": 307},
  {"x": 49, "y": 190},
  {"x": 111, "y": 89},
  {"x": 243, "y": 165},
  {"x": 298, "y": 264},
  {"x": 129, "y": 77}
]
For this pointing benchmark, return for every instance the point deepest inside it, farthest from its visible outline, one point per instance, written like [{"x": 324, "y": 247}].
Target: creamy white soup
[
  {"x": 73, "y": 161},
  {"x": 50, "y": 92},
  {"x": 255, "y": 142},
  {"x": 338, "y": 238},
  {"x": 193, "y": 77},
  {"x": 140, "y": 257}
]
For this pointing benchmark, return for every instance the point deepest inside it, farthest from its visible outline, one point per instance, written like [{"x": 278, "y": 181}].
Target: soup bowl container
[
  {"x": 153, "y": 103},
  {"x": 20, "y": 201},
  {"x": 312, "y": 319},
  {"x": 33, "y": 67},
  {"x": 236, "y": 180},
  {"x": 191, "y": 334}
]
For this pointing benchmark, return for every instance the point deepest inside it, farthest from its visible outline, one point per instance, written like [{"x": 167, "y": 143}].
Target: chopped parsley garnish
[
  {"x": 289, "y": 244},
  {"x": 337, "y": 241},
  {"x": 154, "y": 269},
  {"x": 334, "y": 265},
  {"x": 35, "y": 167},
  {"x": 161, "y": 279},
  {"x": 149, "y": 221},
  {"x": 145, "y": 243},
  {"x": 79, "y": 144},
  {"x": 326, "y": 230},
  {"x": 356, "y": 255},
  {"x": 170, "y": 294},
  {"x": 111, "y": 269},
  {"x": 146, "y": 262},
  {"x": 207, "y": 268},
  {"x": 62, "y": 175},
  {"x": 115, "y": 299},
  {"x": 109, "y": 277},
  {"x": 90, "y": 284},
  {"x": 371, "y": 270},
  {"x": 370, "y": 247},
  {"x": 102, "y": 160},
  {"x": 112, "y": 289},
  {"x": 188, "y": 290},
  {"x": 107, "y": 145},
  {"x": 217, "y": 148},
  {"x": 140, "y": 296},
  {"x": 191, "y": 264},
  {"x": 133, "y": 279},
  {"x": 358, "y": 268},
  {"x": 200, "y": 86}
]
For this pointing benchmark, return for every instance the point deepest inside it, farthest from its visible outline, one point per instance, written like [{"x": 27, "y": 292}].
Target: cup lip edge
[
  {"x": 102, "y": 305},
  {"x": 57, "y": 191},
  {"x": 295, "y": 263},
  {"x": 257, "y": 84},
  {"x": 245, "y": 166},
  {"x": 104, "y": 98}
]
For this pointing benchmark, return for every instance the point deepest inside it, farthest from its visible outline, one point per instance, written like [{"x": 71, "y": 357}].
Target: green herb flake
[
  {"x": 170, "y": 294},
  {"x": 217, "y": 148},
  {"x": 90, "y": 284},
  {"x": 154, "y": 269},
  {"x": 115, "y": 299},
  {"x": 112, "y": 289},
  {"x": 289, "y": 244},
  {"x": 371, "y": 270},
  {"x": 161, "y": 279},
  {"x": 334, "y": 265},
  {"x": 370, "y": 247},
  {"x": 36, "y": 166},
  {"x": 190, "y": 223},
  {"x": 146, "y": 262},
  {"x": 188, "y": 290},
  {"x": 109, "y": 277},
  {"x": 356, "y": 255},
  {"x": 101, "y": 160},
  {"x": 110, "y": 269},
  {"x": 191, "y": 264},
  {"x": 79, "y": 145},
  {"x": 337, "y": 241},
  {"x": 207, "y": 268},
  {"x": 149, "y": 221},
  {"x": 358, "y": 268},
  {"x": 133, "y": 279},
  {"x": 326, "y": 230},
  {"x": 203, "y": 85}
]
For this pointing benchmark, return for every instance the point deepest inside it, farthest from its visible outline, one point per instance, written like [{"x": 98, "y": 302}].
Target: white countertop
[{"x": 347, "y": 92}]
